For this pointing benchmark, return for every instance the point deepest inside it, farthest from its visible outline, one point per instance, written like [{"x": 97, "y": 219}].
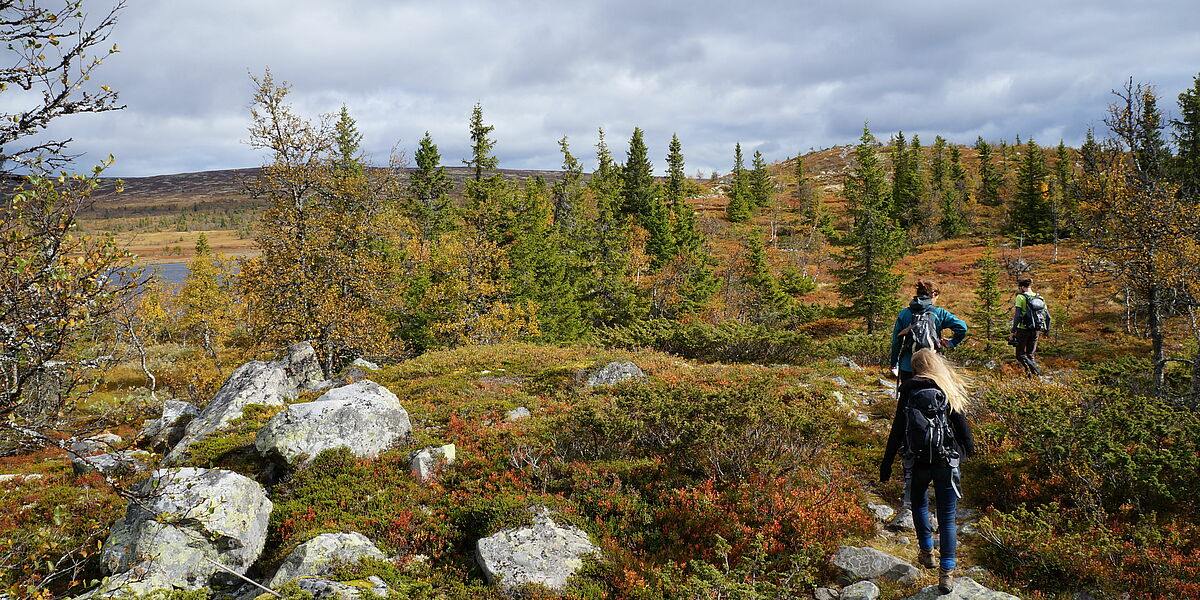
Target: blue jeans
[{"x": 947, "y": 505}]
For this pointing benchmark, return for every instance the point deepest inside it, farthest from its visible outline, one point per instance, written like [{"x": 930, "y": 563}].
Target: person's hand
[
  {"x": 885, "y": 473},
  {"x": 896, "y": 371},
  {"x": 1012, "y": 336},
  {"x": 945, "y": 343}
]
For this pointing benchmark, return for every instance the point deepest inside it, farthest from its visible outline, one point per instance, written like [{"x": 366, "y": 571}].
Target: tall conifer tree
[
  {"x": 738, "y": 209},
  {"x": 875, "y": 244},
  {"x": 1031, "y": 210},
  {"x": 429, "y": 191},
  {"x": 989, "y": 178}
]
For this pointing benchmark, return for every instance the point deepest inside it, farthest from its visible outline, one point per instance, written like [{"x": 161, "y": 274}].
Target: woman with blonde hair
[{"x": 931, "y": 428}]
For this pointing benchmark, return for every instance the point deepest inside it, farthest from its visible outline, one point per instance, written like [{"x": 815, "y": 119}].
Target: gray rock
[
  {"x": 326, "y": 589},
  {"x": 615, "y": 372},
  {"x": 518, "y": 413},
  {"x": 366, "y": 364},
  {"x": 966, "y": 514},
  {"x": 968, "y": 529},
  {"x": 863, "y": 590},
  {"x": 861, "y": 417},
  {"x": 991, "y": 365},
  {"x": 977, "y": 572},
  {"x": 839, "y": 381},
  {"x": 883, "y": 512},
  {"x": 180, "y": 520},
  {"x": 318, "y": 556},
  {"x": 427, "y": 462},
  {"x": 857, "y": 564},
  {"x": 891, "y": 385},
  {"x": 95, "y": 444},
  {"x": 545, "y": 553},
  {"x": 965, "y": 588},
  {"x": 903, "y": 521},
  {"x": 364, "y": 416},
  {"x": 122, "y": 462},
  {"x": 167, "y": 430},
  {"x": 846, "y": 362},
  {"x": 822, "y": 593},
  {"x": 256, "y": 382}
]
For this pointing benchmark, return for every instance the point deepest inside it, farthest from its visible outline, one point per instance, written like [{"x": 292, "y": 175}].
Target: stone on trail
[
  {"x": 364, "y": 416},
  {"x": 327, "y": 589},
  {"x": 848, "y": 363},
  {"x": 965, "y": 588},
  {"x": 857, "y": 564},
  {"x": 256, "y": 382},
  {"x": 823, "y": 593},
  {"x": 863, "y": 590},
  {"x": 544, "y": 553},
  {"x": 179, "y": 523},
  {"x": 903, "y": 521},
  {"x": 615, "y": 372},
  {"x": 317, "y": 557},
  {"x": 883, "y": 512}
]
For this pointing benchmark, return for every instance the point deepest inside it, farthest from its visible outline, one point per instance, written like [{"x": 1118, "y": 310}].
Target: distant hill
[{"x": 165, "y": 195}]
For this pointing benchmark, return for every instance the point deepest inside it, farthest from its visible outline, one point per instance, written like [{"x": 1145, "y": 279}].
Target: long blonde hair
[{"x": 929, "y": 364}]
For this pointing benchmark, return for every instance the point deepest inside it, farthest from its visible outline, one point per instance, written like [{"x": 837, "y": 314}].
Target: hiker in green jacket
[{"x": 1026, "y": 327}]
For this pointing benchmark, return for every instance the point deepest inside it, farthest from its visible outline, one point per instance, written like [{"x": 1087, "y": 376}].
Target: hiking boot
[
  {"x": 945, "y": 580},
  {"x": 925, "y": 559}
]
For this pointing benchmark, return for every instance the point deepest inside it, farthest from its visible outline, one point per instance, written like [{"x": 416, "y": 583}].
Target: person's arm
[
  {"x": 955, "y": 324},
  {"x": 963, "y": 431},
  {"x": 895, "y": 436},
  {"x": 1016, "y": 314},
  {"x": 894, "y": 356}
]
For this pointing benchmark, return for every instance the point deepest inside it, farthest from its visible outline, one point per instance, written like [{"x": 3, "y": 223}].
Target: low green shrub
[{"x": 727, "y": 341}]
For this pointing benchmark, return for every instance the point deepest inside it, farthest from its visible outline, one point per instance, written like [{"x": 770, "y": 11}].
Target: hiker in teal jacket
[{"x": 927, "y": 295}]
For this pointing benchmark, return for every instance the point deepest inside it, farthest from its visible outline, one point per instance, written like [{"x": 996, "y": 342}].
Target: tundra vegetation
[{"x": 748, "y": 454}]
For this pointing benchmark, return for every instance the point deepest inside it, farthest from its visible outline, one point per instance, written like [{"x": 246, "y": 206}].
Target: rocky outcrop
[
  {"x": 167, "y": 430},
  {"x": 179, "y": 523},
  {"x": 318, "y": 556},
  {"x": 256, "y": 382},
  {"x": 615, "y": 372},
  {"x": 122, "y": 462},
  {"x": 364, "y": 417},
  {"x": 857, "y": 564},
  {"x": 426, "y": 463},
  {"x": 544, "y": 553},
  {"x": 965, "y": 588}
]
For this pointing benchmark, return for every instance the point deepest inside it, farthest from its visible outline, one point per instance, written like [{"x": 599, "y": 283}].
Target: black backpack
[
  {"x": 923, "y": 331},
  {"x": 929, "y": 438},
  {"x": 1037, "y": 316}
]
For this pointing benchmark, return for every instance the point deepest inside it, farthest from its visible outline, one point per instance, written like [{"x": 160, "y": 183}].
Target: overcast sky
[{"x": 781, "y": 77}]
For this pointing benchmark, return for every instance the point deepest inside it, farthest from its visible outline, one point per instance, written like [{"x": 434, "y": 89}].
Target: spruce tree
[
  {"x": 674, "y": 190},
  {"x": 1151, "y": 155},
  {"x": 567, "y": 190},
  {"x": 481, "y": 145},
  {"x": 954, "y": 197},
  {"x": 539, "y": 267},
  {"x": 1062, "y": 198},
  {"x": 770, "y": 303},
  {"x": 990, "y": 313},
  {"x": 640, "y": 197},
  {"x": 738, "y": 209},
  {"x": 1186, "y": 169},
  {"x": 429, "y": 191},
  {"x": 989, "y": 178},
  {"x": 348, "y": 140},
  {"x": 761, "y": 185},
  {"x": 804, "y": 195},
  {"x": 938, "y": 167},
  {"x": 874, "y": 243},
  {"x": 1031, "y": 210}
]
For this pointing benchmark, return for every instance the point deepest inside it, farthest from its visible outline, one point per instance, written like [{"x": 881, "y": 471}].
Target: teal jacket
[{"x": 942, "y": 318}]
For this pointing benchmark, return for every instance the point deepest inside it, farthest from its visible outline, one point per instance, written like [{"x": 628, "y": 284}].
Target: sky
[{"x": 782, "y": 77}]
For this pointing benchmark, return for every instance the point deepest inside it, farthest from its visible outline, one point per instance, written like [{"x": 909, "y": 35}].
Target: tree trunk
[{"x": 1156, "y": 339}]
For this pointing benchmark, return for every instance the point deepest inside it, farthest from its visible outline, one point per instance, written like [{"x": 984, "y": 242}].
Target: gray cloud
[{"x": 778, "y": 76}]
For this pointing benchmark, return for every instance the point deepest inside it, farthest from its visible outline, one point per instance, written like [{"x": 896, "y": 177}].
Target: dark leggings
[{"x": 1026, "y": 343}]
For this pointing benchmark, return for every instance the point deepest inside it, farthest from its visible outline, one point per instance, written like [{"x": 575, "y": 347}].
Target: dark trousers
[
  {"x": 1026, "y": 343},
  {"x": 947, "y": 507}
]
